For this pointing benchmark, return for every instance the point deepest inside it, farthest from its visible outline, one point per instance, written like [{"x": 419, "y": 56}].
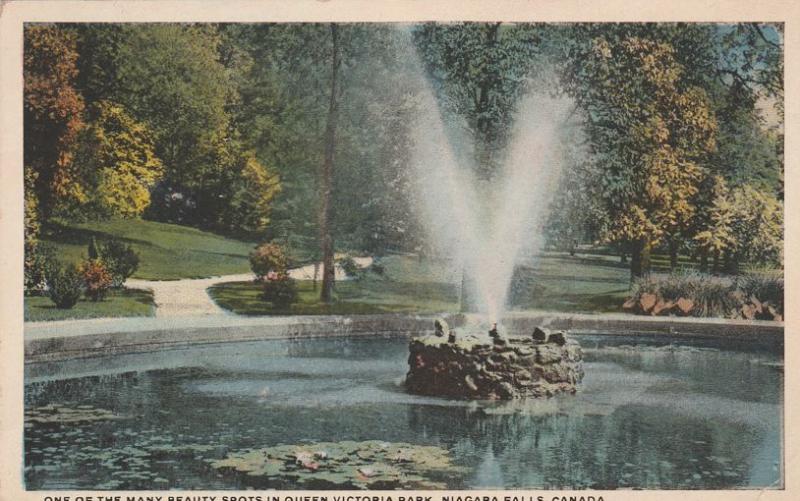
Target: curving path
[{"x": 188, "y": 297}]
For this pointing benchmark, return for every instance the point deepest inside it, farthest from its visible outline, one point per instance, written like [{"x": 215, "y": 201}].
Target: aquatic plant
[{"x": 345, "y": 465}]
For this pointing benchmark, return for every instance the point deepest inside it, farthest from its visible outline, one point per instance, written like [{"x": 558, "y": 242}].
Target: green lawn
[
  {"x": 166, "y": 251},
  {"x": 351, "y": 298},
  {"x": 557, "y": 282},
  {"x": 581, "y": 284},
  {"x": 121, "y": 303}
]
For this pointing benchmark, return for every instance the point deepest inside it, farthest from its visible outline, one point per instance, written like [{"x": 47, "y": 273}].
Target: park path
[{"x": 188, "y": 297}]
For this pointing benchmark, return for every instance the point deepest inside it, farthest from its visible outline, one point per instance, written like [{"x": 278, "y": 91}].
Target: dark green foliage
[
  {"x": 479, "y": 70},
  {"x": 349, "y": 266},
  {"x": 712, "y": 296},
  {"x": 120, "y": 260},
  {"x": 65, "y": 284},
  {"x": 764, "y": 287},
  {"x": 234, "y": 107},
  {"x": 715, "y": 298},
  {"x": 280, "y": 291},
  {"x": 38, "y": 260},
  {"x": 94, "y": 252}
]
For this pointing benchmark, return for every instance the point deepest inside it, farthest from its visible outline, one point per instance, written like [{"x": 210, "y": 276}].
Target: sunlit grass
[
  {"x": 118, "y": 303},
  {"x": 559, "y": 283},
  {"x": 166, "y": 251}
]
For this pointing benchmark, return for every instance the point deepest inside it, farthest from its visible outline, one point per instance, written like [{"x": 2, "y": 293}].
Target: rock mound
[{"x": 494, "y": 367}]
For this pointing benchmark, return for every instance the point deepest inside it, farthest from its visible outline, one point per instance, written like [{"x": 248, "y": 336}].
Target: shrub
[
  {"x": 765, "y": 287},
  {"x": 714, "y": 297},
  {"x": 268, "y": 258},
  {"x": 349, "y": 267},
  {"x": 280, "y": 290},
  {"x": 96, "y": 279},
  {"x": 37, "y": 262},
  {"x": 93, "y": 250},
  {"x": 64, "y": 284},
  {"x": 121, "y": 261}
]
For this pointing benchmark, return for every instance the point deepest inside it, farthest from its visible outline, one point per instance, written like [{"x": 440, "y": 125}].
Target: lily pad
[
  {"x": 345, "y": 465},
  {"x": 56, "y": 414}
]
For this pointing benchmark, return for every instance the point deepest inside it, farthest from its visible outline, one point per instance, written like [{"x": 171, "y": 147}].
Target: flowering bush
[
  {"x": 279, "y": 289},
  {"x": 96, "y": 279},
  {"x": 268, "y": 258}
]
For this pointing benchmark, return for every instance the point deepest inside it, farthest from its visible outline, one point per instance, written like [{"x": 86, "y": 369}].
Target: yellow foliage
[
  {"x": 663, "y": 131},
  {"x": 119, "y": 155}
]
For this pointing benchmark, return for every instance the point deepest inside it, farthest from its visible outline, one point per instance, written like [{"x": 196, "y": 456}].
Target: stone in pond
[
  {"x": 540, "y": 334},
  {"x": 559, "y": 338}
]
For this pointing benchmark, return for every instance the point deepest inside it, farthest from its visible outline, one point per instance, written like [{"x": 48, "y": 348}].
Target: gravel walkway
[{"x": 188, "y": 297}]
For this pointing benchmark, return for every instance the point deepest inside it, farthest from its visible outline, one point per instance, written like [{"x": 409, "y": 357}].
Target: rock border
[{"x": 92, "y": 339}]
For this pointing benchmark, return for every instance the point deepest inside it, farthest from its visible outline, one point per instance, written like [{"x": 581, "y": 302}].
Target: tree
[
  {"x": 253, "y": 192},
  {"x": 170, "y": 78},
  {"x": 479, "y": 70},
  {"x": 651, "y": 133},
  {"x": 740, "y": 69},
  {"x": 757, "y": 226},
  {"x": 326, "y": 237},
  {"x": 117, "y": 155},
  {"x": 181, "y": 83},
  {"x": 53, "y": 116},
  {"x": 280, "y": 101},
  {"x": 714, "y": 234},
  {"x": 282, "y": 73},
  {"x": 576, "y": 214}
]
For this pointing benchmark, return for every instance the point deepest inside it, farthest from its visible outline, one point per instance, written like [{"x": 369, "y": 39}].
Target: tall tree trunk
[
  {"x": 326, "y": 237},
  {"x": 640, "y": 259}
]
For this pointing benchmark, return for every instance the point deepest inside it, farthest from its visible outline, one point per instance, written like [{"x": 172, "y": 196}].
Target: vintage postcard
[{"x": 292, "y": 251}]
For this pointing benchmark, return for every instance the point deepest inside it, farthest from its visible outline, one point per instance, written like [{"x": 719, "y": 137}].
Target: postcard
[{"x": 366, "y": 251}]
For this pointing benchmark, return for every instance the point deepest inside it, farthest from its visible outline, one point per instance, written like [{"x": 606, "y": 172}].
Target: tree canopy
[{"x": 225, "y": 127}]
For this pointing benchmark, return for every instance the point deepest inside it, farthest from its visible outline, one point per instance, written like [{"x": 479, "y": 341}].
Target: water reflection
[{"x": 651, "y": 416}]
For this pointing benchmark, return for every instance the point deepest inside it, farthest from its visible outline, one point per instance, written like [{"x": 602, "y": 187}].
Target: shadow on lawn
[{"x": 82, "y": 236}]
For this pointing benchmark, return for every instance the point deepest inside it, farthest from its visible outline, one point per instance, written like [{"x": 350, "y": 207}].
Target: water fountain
[
  {"x": 487, "y": 233},
  {"x": 493, "y": 366}
]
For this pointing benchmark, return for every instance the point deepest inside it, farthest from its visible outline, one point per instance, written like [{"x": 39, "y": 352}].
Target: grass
[
  {"x": 166, "y": 251},
  {"x": 558, "y": 282},
  {"x": 351, "y": 298},
  {"x": 119, "y": 303},
  {"x": 580, "y": 284}
]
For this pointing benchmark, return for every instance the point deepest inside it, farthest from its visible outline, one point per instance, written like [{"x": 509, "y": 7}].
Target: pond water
[{"x": 688, "y": 416}]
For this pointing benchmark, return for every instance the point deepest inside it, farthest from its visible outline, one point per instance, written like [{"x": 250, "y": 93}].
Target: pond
[{"x": 649, "y": 414}]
